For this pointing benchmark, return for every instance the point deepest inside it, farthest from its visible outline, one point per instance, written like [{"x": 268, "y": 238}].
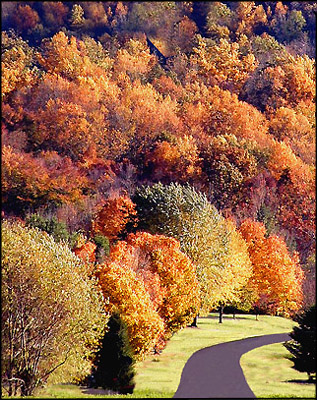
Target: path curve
[{"x": 215, "y": 372}]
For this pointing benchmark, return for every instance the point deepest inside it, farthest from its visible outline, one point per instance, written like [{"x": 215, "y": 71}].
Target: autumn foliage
[
  {"x": 153, "y": 283},
  {"x": 86, "y": 252},
  {"x": 113, "y": 217},
  {"x": 124, "y": 290},
  {"x": 276, "y": 274},
  {"x": 177, "y": 278},
  {"x": 179, "y": 136}
]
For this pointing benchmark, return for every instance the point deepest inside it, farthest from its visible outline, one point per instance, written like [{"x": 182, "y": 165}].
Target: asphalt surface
[{"x": 215, "y": 372}]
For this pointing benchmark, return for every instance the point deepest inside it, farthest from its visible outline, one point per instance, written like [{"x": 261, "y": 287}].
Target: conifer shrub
[
  {"x": 303, "y": 343},
  {"x": 114, "y": 363}
]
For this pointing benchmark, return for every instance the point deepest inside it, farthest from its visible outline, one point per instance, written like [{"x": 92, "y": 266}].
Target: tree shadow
[
  {"x": 95, "y": 391},
  {"x": 229, "y": 316},
  {"x": 302, "y": 381}
]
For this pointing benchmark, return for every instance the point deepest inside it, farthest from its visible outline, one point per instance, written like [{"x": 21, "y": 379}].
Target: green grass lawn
[
  {"x": 159, "y": 376},
  {"x": 73, "y": 391},
  {"x": 269, "y": 374}
]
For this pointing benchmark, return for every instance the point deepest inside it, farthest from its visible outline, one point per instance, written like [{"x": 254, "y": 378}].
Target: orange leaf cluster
[
  {"x": 25, "y": 18},
  {"x": 121, "y": 286},
  {"x": 113, "y": 217},
  {"x": 176, "y": 274},
  {"x": 179, "y": 161},
  {"x": 33, "y": 180},
  {"x": 86, "y": 252}
]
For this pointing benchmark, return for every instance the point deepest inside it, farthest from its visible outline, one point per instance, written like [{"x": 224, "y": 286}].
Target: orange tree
[
  {"x": 153, "y": 285},
  {"x": 296, "y": 191},
  {"x": 227, "y": 168},
  {"x": 35, "y": 181},
  {"x": 221, "y": 63},
  {"x": 178, "y": 161},
  {"x": 177, "y": 279},
  {"x": 277, "y": 276},
  {"x": 113, "y": 216}
]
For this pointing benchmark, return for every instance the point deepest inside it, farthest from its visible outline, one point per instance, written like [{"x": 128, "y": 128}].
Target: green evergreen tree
[
  {"x": 114, "y": 364},
  {"x": 303, "y": 343}
]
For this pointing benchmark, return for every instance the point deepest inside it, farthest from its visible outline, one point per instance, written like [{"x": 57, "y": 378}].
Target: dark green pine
[
  {"x": 114, "y": 364},
  {"x": 303, "y": 343}
]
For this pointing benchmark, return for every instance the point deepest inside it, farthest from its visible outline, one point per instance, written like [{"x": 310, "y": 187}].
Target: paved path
[{"x": 215, "y": 372}]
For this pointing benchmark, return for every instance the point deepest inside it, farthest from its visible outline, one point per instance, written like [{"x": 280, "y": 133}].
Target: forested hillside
[{"x": 171, "y": 146}]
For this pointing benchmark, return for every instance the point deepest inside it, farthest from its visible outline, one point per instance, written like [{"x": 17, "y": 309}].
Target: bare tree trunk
[
  {"x": 221, "y": 307},
  {"x": 194, "y": 323},
  {"x": 15, "y": 388}
]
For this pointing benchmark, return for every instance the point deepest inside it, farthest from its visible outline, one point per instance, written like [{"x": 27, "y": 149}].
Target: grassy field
[
  {"x": 76, "y": 392},
  {"x": 269, "y": 374},
  {"x": 159, "y": 376}
]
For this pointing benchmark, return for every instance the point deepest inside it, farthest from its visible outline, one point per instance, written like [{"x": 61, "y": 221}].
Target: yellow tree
[
  {"x": 134, "y": 59},
  {"x": 294, "y": 129},
  {"x": 67, "y": 57},
  {"x": 181, "y": 212},
  {"x": 248, "y": 17},
  {"x": 222, "y": 64},
  {"x": 17, "y": 58},
  {"x": 52, "y": 313},
  {"x": 238, "y": 269},
  {"x": 283, "y": 85}
]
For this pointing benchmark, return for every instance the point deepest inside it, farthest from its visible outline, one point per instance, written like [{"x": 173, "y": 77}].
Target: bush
[
  {"x": 54, "y": 227},
  {"x": 303, "y": 343}
]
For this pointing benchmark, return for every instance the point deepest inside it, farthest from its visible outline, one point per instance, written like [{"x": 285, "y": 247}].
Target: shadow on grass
[
  {"x": 86, "y": 390},
  {"x": 302, "y": 381},
  {"x": 229, "y": 316}
]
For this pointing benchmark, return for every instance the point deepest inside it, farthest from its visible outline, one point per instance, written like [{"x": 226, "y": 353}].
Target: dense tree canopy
[
  {"x": 154, "y": 286},
  {"x": 204, "y": 235}
]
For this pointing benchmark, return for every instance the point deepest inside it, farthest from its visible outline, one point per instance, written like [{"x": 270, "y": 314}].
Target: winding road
[{"x": 215, "y": 372}]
